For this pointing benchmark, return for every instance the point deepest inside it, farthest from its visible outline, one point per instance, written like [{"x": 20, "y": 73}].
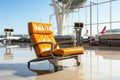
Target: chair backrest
[{"x": 41, "y": 32}]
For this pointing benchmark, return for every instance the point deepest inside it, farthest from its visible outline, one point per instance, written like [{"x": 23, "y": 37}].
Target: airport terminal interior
[
  {"x": 99, "y": 50},
  {"x": 97, "y": 63}
]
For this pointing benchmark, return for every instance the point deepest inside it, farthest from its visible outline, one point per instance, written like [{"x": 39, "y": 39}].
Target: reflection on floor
[{"x": 97, "y": 63}]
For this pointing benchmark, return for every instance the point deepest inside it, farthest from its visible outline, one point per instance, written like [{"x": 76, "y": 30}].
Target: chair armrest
[{"x": 52, "y": 47}]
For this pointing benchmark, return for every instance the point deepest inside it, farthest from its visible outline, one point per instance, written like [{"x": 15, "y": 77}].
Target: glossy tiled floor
[{"x": 97, "y": 63}]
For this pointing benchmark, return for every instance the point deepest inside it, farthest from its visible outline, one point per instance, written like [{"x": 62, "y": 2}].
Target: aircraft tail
[
  {"x": 86, "y": 34},
  {"x": 86, "y": 31},
  {"x": 103, "y": 31}
]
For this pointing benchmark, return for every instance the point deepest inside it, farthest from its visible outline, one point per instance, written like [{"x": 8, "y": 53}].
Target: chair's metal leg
[
  {"x": 77, "y": 61},
  {"x": 54, "y": 62},
  {"x": 33, "y": 60},
  {"x": 28, "y": 65},
  {"x": 56, "y": 68}
]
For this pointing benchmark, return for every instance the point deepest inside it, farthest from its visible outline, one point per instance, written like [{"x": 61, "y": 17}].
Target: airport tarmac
[{"x": 97, "y": 63}]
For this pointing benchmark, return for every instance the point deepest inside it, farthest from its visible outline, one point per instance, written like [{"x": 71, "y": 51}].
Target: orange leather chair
[{"x": 45, "y": 46}]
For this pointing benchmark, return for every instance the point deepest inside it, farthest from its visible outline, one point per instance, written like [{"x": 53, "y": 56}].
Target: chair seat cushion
[
  {"x": 69, "y": 51},
  {"x": 65, "y": 51}
]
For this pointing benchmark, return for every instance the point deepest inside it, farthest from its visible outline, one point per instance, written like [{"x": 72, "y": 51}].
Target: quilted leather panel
[
  {"x": 40, "y": 28},
  {"x": 41, "y": 32}
]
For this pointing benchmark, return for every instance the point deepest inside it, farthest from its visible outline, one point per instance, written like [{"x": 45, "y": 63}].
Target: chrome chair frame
[{"x": 53, "y": 59}]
